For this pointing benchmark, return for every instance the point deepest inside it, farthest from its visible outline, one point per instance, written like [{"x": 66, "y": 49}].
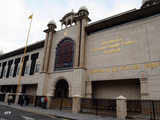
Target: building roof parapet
[
  {"x": 30, "y": 48},
  {"x": 122, "y": 18}
]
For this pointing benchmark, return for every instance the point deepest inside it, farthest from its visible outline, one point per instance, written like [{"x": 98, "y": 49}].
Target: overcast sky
[{"x": 14, "y": 21}]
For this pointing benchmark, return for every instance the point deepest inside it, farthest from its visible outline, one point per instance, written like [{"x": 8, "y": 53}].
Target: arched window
[{"x": 64, "y": 54}]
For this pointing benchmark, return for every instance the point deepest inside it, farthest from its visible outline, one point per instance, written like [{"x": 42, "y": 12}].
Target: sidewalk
[{"x": 60, "y": 114}]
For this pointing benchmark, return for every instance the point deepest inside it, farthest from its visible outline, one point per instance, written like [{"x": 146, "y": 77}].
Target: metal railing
[
  {"x": 104, "y": 107},
  {"x": 144, "y": 109}
]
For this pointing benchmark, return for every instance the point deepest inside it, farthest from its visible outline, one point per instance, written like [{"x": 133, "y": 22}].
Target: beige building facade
[{"x": 115, "y": 56}]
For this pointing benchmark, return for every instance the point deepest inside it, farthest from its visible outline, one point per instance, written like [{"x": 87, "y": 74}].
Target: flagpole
[{"x": 22, "y": 62}]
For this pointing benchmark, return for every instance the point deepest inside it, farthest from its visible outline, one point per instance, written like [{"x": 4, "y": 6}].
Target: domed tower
[
  {"x": 147, "y": 3},
  {"x": 52, "y": 25},
  {"x": 48, "y": 44},
  {"x": 83, "y": 11},
  {"x": 82, "y": 20}
]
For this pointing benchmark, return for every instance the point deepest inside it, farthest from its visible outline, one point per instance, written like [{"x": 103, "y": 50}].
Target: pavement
[
  {"x": 10, "y": 113},
  {"x": 51, "y": 114}
]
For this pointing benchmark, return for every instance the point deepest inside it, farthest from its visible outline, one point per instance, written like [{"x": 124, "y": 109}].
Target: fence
[
  {"x": 104, "y": 107},
  {"x": 61, "y": 103},
  {"x": 144, "y": 109}
]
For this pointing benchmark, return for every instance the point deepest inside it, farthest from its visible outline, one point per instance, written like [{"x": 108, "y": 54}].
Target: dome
[
  {"x": 52, "y": 22},
  {"x": 83, "y": 8}
]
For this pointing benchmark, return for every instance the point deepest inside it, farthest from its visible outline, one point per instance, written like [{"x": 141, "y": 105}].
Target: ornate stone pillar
[
  {"x": 82, "y": 21},
  {"x": 47, "y": 52}
]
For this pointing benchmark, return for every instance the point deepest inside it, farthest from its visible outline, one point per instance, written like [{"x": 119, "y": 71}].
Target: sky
[{"x": 14, "y": 22}]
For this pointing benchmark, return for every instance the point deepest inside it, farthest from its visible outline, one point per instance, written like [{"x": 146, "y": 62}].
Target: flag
[{"x": 30, "y": 17}]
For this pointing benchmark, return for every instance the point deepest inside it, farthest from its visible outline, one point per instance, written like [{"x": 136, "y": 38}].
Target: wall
[
  {"x": 72, "y": 32},
  {"x": 113, "y": 89},
  {"x": 127, "y": 45},
  {"x": 37, "y": 78}
]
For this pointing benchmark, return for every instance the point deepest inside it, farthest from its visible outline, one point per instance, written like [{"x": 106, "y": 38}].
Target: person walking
[
  {"x": 22, "y": 100},
  {"x": 42, "y": 102},
  {"x": 45, "y": 102},
  {"x": 10, "y": 98}
]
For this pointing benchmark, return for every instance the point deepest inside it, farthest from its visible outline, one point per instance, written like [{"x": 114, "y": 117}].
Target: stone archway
[{"x": 62, "y": 89}]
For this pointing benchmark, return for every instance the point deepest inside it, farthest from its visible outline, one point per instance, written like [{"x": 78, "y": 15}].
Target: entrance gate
[{"x": 61, "y": 99}]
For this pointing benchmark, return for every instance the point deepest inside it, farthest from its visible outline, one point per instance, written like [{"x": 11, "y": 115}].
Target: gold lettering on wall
[
  {"x": 111, "y": 41},
  {"x": 115, "y": 69},
  {"x": 123, "y": 67},
  {"x": 114, "y": 45},
  {"x": 108, "y": 46},
  {"x": 112, "y": 51},
  {"x": 129, "y": 42},
  {"x": 152, "y": 65},
  {"x": 108, "y": 70},
  {"x": 127, "y": 67},
  {"x": 98, "y": 49},
  {"x": 135, "y": 67}
]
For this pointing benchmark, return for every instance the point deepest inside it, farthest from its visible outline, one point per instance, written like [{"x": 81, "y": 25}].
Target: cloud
[
  {"x": 12, "y": 27},
  {"x": 14, "y": 16}
]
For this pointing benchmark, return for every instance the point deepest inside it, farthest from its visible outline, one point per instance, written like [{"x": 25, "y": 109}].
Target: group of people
[
  {"x": 24, "y": 100},
  {"x": 44, "y": 101}
]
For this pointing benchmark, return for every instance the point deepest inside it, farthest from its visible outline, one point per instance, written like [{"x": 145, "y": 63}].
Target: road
[{"x": 8, "y": 113}]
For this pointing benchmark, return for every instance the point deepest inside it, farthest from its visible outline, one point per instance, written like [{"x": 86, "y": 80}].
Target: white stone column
[
  {"x": 45, "y": 49},
  {"x": 76, "y": 56},
  {"x": 48, "y": 51},
  {"x": 121, "y": 108},
  {"x": 48, "y": 45},
  {"x": 83, "y": 41},
  {"x": 76, "y": 105}
]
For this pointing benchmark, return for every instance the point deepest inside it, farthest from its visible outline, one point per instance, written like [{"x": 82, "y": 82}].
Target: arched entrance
[
  {"x": 61, "y": 98},
  {"x": 62, "y": 89}
]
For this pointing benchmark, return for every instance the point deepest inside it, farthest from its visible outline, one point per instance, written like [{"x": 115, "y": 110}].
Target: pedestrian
[
  {"x": 27, "y": 100},
  {"x": 10, "y": 98},
  {"x": 42, "y": 102},
  {"x": 45, "y": 102},
  {"x": 22, "y": 100}
]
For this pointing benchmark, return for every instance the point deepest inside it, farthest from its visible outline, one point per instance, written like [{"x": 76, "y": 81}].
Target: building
[{"x": 115, "y": 56}]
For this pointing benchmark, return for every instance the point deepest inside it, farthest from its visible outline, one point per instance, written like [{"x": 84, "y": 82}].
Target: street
[{"x": 8, "y": 113}]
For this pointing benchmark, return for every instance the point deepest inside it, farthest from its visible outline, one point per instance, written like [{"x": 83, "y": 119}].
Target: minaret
[
  {"x": 82, "y": 20},
  {"x": 48, "y": 44}
]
